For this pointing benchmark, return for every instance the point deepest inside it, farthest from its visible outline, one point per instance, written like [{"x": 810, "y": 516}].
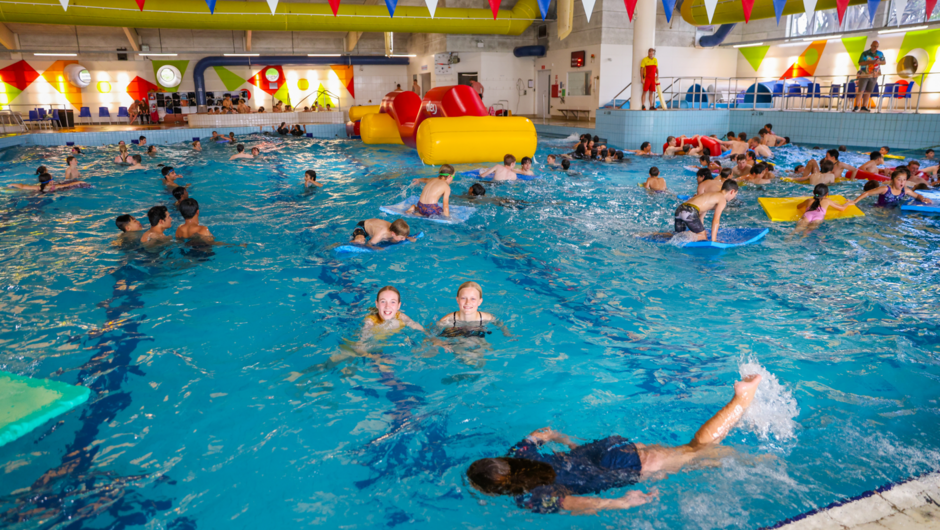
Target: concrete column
[{"x": 644, "y": 38}]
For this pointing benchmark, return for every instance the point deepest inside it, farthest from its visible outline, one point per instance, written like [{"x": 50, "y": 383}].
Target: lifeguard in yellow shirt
[{"x": 649, "y": 73}]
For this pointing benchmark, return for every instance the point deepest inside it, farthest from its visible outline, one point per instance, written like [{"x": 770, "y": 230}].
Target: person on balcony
[
  {"x": 869, "y": 69},
  {"x": 649, "y": 73}
]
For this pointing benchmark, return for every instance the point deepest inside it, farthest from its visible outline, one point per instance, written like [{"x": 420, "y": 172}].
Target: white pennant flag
[
  {"x": 809, "y": 6},
  {"x": 710, "y": 6},
  {"x": 432, "y": 6},
  {"x": 65, "y": 4},
  {"x": 273, "y": 5},
  {"x": 899, "y": 6},
  {"x": 588, "y": 8}
]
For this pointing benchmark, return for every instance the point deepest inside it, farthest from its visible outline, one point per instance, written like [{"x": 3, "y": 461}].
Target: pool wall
[{"x": 627, "y": 130}]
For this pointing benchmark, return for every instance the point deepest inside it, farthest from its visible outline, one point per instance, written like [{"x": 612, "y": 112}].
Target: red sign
[{"x": 577, "y": 59}]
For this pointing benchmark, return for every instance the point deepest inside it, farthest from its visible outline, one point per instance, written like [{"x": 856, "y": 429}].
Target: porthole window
[
  {"x": 78, "y": 75},
  {"x": 272, "y": 75},
  {"x": 169, "y": 76}
]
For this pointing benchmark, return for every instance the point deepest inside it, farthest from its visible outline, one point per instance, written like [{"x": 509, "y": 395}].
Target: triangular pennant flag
[
  {"x": 855, "y": 46},
  {"x": 229, "y": 78},
  {"x": 710, "y": 6},
  {"x": 747, "y": 6},
  {"x": 323, "y": 97},
  {"x": 65, "y": 4},
  {"x": 930, "y": 5},
  {"x": 334, "y": 5},
  {"x": 778, "y": 9},
  {"x": 809, "y": 7},
  {"x": 669, "y": 6},
  {"x": 754, "y": 55},
  {"x": 140, "y": 4},
  {"x": 346, "y": 77},
  {"x": 272, "y": 4},
  {"x": 588, "y": 8},
  {"x": 899, "y": 7},
  {"x": 494, "y": 7},
  {"x": 631, "y": 7},
  {"x": 391, "y": 5},
  {"x": 543, "y": 7},
  {"x": 211, "y": 4},
  {"x": 841, "y": 6},
  {"x": 872, "y": 7},
  {"x": 432, "y": 7}
]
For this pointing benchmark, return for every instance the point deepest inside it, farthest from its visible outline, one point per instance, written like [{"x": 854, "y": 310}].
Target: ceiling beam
[
  {"x": 248, "y": 40},
  {"x": 133, "y": 38},
  {"x": 8, "y": 38},
  {"x": 352, "y": 40}
]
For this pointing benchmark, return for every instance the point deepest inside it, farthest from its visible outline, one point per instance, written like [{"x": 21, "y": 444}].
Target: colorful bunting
[
  {"x": 588, "y": 8},
  {"x": 272, "y": 5},
  {"x": 210, "y": 3},
  {"x": 778, "y": 9},
  {"x": 494, "y": 7},
  {"x": 930, "y": 5},
  {"x": 345, "y": 74},
  {"x": 391, "y": 5},
  {"x": 669, "y": 6},
  {"x": 754, "y": 55},
  {"x": 631, "y": 7},
  {"x": 543, "y": 7},
  {"x": 855, "y": 46},
  {"x": 872, "y": 7},
  {"x": 806, "y": 63},
  {"x": 747, "y": 6},
  {"x": 432, "y": 7},
  {"x": 229, "y": 79},
  {"x": 899, "y": 7},
  {"x": 710, "y": 6},
  {"x": 334, "y": 5},
  {"x": 841, "y": 6},
  {"x": 65, "y": 4},
  {"x": 140, "y": 4},
  {"x": 809, "y": 7}
]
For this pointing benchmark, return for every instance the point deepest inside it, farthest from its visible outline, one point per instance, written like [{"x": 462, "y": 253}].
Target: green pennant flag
[
  {"x": 323, "y": 98},
  {"x": 855, "y": 46},
  {"x": 929, "y": 40},
  {"x": 8, "y": 93},
  {"x": 180, "y": 65},
  {"x": 754, "y": 55},
  {"x": 283, "y": 94},
  {"x": 229, "y": 79}
]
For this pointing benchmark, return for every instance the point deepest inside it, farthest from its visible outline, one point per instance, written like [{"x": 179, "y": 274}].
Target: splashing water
[{"x": 774, "y": 408}]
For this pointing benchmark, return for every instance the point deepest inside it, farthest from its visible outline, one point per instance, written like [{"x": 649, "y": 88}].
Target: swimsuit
[
  {"x": 456, "y": 331},
  {"x": 813, "y": 216},
  {"x": 360, "y": 230},
  {"x": 889, "y": 200},
  {"x": 429, "y": 210},
  {"x": 687, "y": 218}
]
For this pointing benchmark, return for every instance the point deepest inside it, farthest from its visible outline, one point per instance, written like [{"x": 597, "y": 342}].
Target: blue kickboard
[
  {"x": 919, "y": 207},
  {"x": 727, "y": 238},
  {"x": 683, "y": 197},
  {"x": 458, "y": 214},
  {"x": 476, "y": 174},
  {"x": 362, "y": 249}
]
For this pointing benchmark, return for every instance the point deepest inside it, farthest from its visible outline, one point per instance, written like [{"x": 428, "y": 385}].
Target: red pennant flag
[
  {"x": 494, "y": 6},
  {"x": 140, "y": 4},
  {"x": 930, "y": 5},
  {"x": 748, "y": 5},
  {"x": 631, "y": 7},
  {"x": 841, "y": 6},
  {"x": 334, "y": 5}
]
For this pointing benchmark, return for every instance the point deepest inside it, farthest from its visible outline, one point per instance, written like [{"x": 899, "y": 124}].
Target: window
[
  {"x": 826, "y": 21},
  {"x": 579, "y": 83},
  {"x": 914, "y": 13},
  {"x": 169, "y": 76}
]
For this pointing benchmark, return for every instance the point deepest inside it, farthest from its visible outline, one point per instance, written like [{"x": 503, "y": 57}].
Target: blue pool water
[{"x": 225, "y": 395}]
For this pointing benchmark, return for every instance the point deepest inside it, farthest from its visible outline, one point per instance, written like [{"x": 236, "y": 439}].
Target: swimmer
[
  {"x": 169, "y": 178},
  {"x": 654, "y": 182},
  {"x": 760, "y": 150},
  {"x": 690, "y": 215},
  {"x": 526, "y": 167},
  {"x": 837, "y": 167},
  {"x": 47, "y": 184},
  {"x": 127, "y": 223},
  {"x": 379, "y": 230},
  {"x": 579, "y": 153},
  {"x": 730, "y": 136},
  {"x": 71, "y": 170},
  {"x": 217, "y": 138},
  {"x": 674, "y": 146},
  {"x": 136, "y": 163},
  {"x": 890, "y": 196},
  {"x": 742, "y": 137},
  {"x": 191, "y": 228},
  {"x": 180, "y": 193},
  {"x": 918, "y": 177},
  {"x": 152, "y": 150},
  {"x": 283, "y": 129},
  {"x": 506, "y": 171},
  {"x": 707, "y": 183},
  {"x": 760, "y": 174},
  {"x": 929, "y": 154},
  {"x": 468, "y": 321},
  {"x": 436, "y": 189},
  {"x": 197, "y": 145},
  {"x": 160, "y": 221},
  {"x": 142, "y": 141},
  {"x": 741, "y": 168},
  {"x": 550, "y": 161},
  {"x": 738, "y": 147},
  {"x": 386, "y": 317},
  {"x": 122, "y": 157},
  {"x": 76, "y": 150},
  {"x": 706, "y": 161},
  {"x": 884, "y": 150},
  {"x": 646, "y": 149},
  {"x": 876, "y": 159},
  {"x": 296, "y": 131},
  {"x": 814, "y": 210},
  {"x": 823, "y": 176},
  {"x": 697, "y": 150},
  {"x": 241, "y": 153},
  {"x": 310, "y": 179},
  {"x": 477, "y": 193},
  {"x": 231, "y": 138},
  {"x": 549, "y": 482}
]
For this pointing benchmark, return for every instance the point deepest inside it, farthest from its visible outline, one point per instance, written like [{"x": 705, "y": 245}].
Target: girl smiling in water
[
  {"x": 468, "y": 321},
  {"x": 386, "y": 318}
]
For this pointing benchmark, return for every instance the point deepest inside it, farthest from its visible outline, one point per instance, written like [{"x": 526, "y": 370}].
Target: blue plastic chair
[
  {"x": 835, "y": 94},
  {"x": 42, "y": 113},
  {"x": 793, "y": 91},
  {"x": 84, "y": 112},
  {"x": 776, "y": 91},
  {"x": 122, "y": 113},
  {"x": 813, "y": 93},
  {"x": 906, "y": 96},
  {"x": 33, "y": 118},
  {"x": 103, "y": 112},
  {"x": 54, "y": 118},
  {"x": 889, "y": 91},
  {"x": 850, "y": 94}
]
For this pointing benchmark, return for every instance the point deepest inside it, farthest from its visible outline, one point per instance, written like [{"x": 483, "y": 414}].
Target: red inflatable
[
  {"x": 864, "y": 175},
  {"x": 712, "y": 145},
  {"x": 408, "y": 110}
]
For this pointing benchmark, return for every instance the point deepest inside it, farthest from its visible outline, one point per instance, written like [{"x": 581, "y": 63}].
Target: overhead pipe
[
  {"x": 243, "y": 16},
  {"x": 529, "y": 51},
  {"x": 199, "y": 71},
  {"x": 716, "y": 38}
]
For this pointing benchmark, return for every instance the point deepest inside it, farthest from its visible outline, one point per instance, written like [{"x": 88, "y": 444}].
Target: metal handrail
[{"x": 317, "y": 94}]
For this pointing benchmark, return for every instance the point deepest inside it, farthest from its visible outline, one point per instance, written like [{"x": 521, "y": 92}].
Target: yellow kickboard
[
  {"x": 784, "y": 209},
  {"x": 838, "y": 181}
]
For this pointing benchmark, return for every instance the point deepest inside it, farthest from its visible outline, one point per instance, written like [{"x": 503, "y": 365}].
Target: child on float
[
  {"x": 890, "y": 196},
  {"x": 814, "y": 210}
]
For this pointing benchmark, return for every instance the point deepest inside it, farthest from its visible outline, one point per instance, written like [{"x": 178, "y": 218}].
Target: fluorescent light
[
  {"x": 823, "y": 37},
  {"x": 901, "y": 30},
  {"x": 324, "y": 55},
  {"x": 737, "y": 46},
  {"x": 241, "y": 54},
  {"x": 145, "y": 54},
  {"x": 412, "y": 55},
  {"x": 789, "y": 44},
  {"x": 56, "y": 54}
]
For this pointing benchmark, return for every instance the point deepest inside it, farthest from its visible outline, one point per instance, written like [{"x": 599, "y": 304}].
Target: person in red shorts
[{"x": 649, "y": 73}]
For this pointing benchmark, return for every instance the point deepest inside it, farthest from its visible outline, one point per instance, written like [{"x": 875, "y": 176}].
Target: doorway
[
  {"x": 425, "y": 84},
  {"x": 543, "y": 102},
  {"x": 464, "y": 79}
]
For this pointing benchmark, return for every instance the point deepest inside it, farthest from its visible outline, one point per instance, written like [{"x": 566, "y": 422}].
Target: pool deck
[{"x": 914, "y": 504}]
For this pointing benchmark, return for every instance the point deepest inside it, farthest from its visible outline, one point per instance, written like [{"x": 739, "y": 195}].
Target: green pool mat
[{"x": 27, "y": 403}]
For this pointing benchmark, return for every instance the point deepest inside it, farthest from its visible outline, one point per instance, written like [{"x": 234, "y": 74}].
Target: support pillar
[{"x": 644, "y": 38}]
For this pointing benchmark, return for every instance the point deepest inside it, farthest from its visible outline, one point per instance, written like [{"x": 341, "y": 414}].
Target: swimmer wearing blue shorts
[{"x": 550, "y": 483}]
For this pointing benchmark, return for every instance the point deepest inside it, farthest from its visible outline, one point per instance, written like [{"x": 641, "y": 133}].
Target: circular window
[
  {"x": 78, "y": 75},
  {"x": 169, "y": 76},
  {"x": 272, "y": 75}
]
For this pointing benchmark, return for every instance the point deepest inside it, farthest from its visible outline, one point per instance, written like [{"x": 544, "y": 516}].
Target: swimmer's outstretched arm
[
  {"x": 421, "y": 181},
  {"x": 547, "y": 434},
  {"x": 591, "y": 505},
  {"x": 488, "y": 171}
]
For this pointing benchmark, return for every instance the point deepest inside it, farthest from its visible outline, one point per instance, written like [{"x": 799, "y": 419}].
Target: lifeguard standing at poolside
[{"x": 649, "y": 73}]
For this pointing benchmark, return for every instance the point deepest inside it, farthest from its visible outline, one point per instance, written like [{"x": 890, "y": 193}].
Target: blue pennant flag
[
  {"x": 778, "y": 9},
  {"x": 543, "y": 7},
  {"x": 391, "y": 5},
  {"x": 211, "y": 4},
  {"x": 872, "y": 7},
  {"x": 669, "y": 6}
]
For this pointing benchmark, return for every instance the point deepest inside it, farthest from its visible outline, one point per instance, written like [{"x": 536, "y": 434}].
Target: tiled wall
[
  {"x": 258, "y": 119},
  {"x": 629, "y": 129}
]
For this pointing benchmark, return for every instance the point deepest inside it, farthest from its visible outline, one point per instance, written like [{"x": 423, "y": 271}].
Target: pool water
[{"x": 226, "y": 392}]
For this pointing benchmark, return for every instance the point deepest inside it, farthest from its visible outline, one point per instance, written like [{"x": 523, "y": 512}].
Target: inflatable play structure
[
  {"x": 449, "y": 126},
  {"x": 712, "y": 145}
]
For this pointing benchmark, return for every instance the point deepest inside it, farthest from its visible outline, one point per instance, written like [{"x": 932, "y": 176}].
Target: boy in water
[
  {"x": 127, "y": 223},
  {"x": 180, "y": 193},
  {"x": 654, "y": 182},
  {"x": 310, "y": 179},
  {"x": 526, "y": 167},
  {"x": 822, "y": 176},
  {"x": 142, "y": 141},
  {"x": 136, "y": 163},
  {"x": 371, "y": 232},
  {"x": 191, "y": 228},
  {"x": 837, "y": 167},
  {"x": 477, "y": 193},
  {"x": 759, "y": 149},
  {"x": 690, "y": 215},
  {"x": 435, "y": 189},
  {"x": 738, "y": 147},
  {"x": 674, "y": 146},
  {"x": 760, "y": 174},
  {"x": 217, "y": 138},
  {"x": 241, "y": 153},
  {"x": 506, "y": 171},
  {"x": 550, "y": 161},
  {"x": 876, "y": 158},
  {"x": 169, "y": 178},
  {"x": 707, "y": 183},
  {"x": 741, "y": 168},
  {"x": 160, "y": 221}
]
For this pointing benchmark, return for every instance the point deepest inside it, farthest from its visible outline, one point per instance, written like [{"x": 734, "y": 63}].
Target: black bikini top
[{"x": 455, "y": 331}]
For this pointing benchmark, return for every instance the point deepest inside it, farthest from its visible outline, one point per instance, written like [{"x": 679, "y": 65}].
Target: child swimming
[
  {"x": 469, "y": 320},
  {"x": 169, "y": 178},
  {"x": 654, "y": 182},
  {"x": 310, "y": 179},
  {"x": 691, "y": 214},
  {"x": 815, "y": 209},
  {"x": 191, "y": 228},
  {"x": 707, "y": 183},
  {"x": 122, "y": 157},
  {"x": 197, "y": 145},
  {"x": 437, "y": 189},
  {"x": 506, "y": 171},
  {"x": 47, "y": 184},
  {"x": 160, "y": 221},
  {"x": 127, "y": 223},
  {"x": 646, "y": 149},
  {"x": 386, "y": 317},
  {"x": 136, "y": 163},
  {"x": 371, "y": 232},
  {"x": 240, "y": 148},
  {"x": 890, "y": 196},
  {"x": 180, "y": 193}
]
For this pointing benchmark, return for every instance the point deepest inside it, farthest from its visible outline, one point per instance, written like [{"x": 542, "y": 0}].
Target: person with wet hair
[
  {"x": 160, "y": 221},
  {"x": 47, "y": 184},
  {"x": 136, "y": 163},
  {"x": 127, "y": 223},
  {"x": 240, "y": 153},
  {"x": 180, "y": 193},
  {"x": 191, "y": 228}
]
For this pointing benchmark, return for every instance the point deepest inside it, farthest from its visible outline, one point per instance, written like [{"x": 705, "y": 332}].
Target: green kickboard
[{"x": 27, "y": 403}]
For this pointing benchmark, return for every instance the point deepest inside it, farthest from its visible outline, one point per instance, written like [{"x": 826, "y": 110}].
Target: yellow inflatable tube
[
  {"x": 785, "y": 209},
  {"x": 474, "y": 139},
  {"x": 379, "y": 129},
  {"x": 356, "y": 113}
]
